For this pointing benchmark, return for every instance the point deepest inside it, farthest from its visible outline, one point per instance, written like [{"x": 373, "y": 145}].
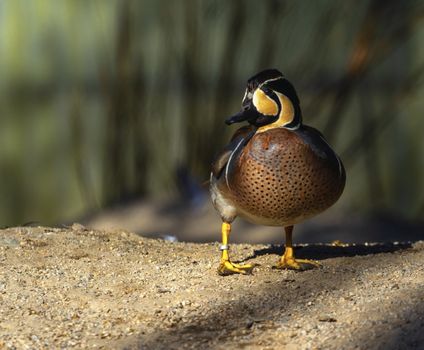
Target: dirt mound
[{"x": 82, "y": 288}]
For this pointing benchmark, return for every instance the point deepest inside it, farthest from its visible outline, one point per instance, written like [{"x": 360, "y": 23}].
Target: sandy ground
[{"x": 80, "y": 288}]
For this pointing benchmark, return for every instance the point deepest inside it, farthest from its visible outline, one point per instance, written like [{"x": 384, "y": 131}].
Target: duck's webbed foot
[
  {"x": 288, "y": 261},
  {"x": 226, "y": 267}
]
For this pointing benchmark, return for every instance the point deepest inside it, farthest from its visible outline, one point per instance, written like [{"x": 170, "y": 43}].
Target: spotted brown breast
[{"x": 282, "y": 177}]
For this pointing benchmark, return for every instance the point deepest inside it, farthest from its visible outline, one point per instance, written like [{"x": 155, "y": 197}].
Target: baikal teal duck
[{"x": 275, "y": 171}]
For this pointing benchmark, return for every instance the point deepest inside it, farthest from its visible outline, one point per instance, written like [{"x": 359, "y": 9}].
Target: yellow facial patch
[
  {"x": 264, "y": 104},
  {"x": 287, "y": 110},
  {"x": 286, "y": 115}
]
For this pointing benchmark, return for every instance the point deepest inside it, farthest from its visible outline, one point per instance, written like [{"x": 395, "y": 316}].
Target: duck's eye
[
  {"x": 264, "y": 104},
  {"x": 247, "y": 95}
]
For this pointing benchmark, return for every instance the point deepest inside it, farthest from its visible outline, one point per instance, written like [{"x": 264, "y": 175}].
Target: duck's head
[{"x": 270, "y": 101}]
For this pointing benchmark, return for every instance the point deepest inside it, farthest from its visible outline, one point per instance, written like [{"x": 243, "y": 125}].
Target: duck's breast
[{"x": 283, "y": 177}]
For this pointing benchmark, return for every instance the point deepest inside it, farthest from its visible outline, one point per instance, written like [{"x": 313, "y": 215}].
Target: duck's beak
[
  {"x": 237, "y": 118},
  {"x": 253, "y": 117},
  {"x": 248, "y": 113}
]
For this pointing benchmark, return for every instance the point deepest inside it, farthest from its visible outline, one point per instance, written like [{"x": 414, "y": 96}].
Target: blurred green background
[{"x": 106, "y": 102}]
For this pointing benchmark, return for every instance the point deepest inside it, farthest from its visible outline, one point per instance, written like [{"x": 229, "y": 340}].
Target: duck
[{"x": 275, "y": 171}]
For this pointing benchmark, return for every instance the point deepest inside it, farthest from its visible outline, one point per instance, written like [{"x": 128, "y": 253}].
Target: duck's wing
[
  {"x": 315, "y": 140},
  {"x": 240, "y": 138},
  {"x": 319, "y": 145}
]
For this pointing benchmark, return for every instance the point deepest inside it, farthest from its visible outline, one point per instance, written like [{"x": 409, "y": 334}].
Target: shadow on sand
[{"x": 328, "y": 251}]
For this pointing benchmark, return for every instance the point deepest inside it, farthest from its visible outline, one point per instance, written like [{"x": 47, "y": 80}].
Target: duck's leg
[
  {"x": 226, "y": 267},
  {"x": 288, "y": 261}
]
